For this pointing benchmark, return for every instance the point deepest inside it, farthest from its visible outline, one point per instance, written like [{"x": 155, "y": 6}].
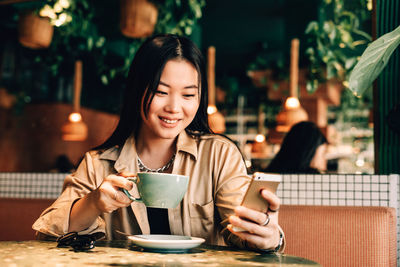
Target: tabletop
[{"x": 123, "y": 253}]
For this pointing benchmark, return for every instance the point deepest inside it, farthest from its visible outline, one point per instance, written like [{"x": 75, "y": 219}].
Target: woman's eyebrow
[
  {"x": 163, "y": 83},
  {"x": 186, "y": 87}
]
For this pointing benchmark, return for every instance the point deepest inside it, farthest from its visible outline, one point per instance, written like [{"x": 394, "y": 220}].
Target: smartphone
[{"x": 253, "y": 199}]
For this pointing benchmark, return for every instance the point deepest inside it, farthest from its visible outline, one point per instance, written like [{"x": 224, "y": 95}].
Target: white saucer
[{"x": 166, "y": 243}]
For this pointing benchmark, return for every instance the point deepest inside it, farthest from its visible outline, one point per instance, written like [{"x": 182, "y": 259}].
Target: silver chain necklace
[{"x": 144, "y": 168}]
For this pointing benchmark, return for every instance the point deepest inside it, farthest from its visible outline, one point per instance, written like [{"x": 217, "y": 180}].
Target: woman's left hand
[{"x": 259, "y": 231}]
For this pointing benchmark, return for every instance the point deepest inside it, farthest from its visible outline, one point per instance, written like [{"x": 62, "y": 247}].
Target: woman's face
[
  {"x": 175, "y": 102},
  {"x": 319, "y": 160}
]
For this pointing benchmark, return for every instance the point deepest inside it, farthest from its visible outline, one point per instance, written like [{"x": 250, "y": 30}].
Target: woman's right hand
[{"x": 108, "y": 196}]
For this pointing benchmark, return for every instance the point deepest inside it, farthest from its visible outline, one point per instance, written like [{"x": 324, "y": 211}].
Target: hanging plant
[
  {"x": 336, "y": 41},
  {"x": 35, "y": 27},
  {"x": 82, "y": 37},
  {"x": 88, "y": 30},
  {"x": 57, "y": 11},
  {"x": 178, "y": 16},
  {"x": 34, "y": 31}
]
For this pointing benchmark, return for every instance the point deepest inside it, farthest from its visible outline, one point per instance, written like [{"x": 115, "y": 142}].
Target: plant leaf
[{"x": 372, "y": 61}]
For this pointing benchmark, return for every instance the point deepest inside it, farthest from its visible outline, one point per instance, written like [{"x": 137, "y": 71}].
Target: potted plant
[
  {"x": 34, "y": 31},
  {"x": 35, "y": 27}
]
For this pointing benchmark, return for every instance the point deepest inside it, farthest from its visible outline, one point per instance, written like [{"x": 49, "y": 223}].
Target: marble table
[{"x": 122, "y": 253}]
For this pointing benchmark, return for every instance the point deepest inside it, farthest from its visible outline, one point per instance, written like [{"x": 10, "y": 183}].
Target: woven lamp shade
[
  {"x": 288, "y": 117},
  {"x": 34, "y": 32},
  {"x": 138, "y": 18},
  {"x": 292, "y": 112},
  {"x": 74, "y": 131}
]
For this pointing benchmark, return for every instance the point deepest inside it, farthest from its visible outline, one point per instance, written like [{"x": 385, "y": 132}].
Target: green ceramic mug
[{"x": 159, "y": 190}]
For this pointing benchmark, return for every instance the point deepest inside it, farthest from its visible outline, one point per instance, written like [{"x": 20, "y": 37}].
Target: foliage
[
  {"x": 82, "y": 36},
  {"x": 373, "y": 60},
  {"x": 267, "y": 58},
  {"x": 89, "y": 32},
  {"x": 336, "y": 40},
  {"x": 73, "y": 40},
  {"x": 178, "y": 16},
  {"x": 57, "y": 11}
]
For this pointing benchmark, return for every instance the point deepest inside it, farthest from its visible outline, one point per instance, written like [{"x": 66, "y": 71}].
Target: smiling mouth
[{"x": 169, "y": 121}]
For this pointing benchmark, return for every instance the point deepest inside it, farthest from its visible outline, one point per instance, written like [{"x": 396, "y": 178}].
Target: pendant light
[
  {"x": 260, "y": 148},
  {"x": 215, "y": 119},
  {"x": 75, "y": 129},
  {"x": 292, "y": 112}
]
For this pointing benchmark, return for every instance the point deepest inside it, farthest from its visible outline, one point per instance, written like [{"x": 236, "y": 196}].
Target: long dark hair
[
  {"x": 298, "y": 149},
  {"x": 144, "y": 77}
]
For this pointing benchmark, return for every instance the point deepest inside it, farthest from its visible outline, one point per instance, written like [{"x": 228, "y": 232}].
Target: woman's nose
[{"x": 173, "y": 104}]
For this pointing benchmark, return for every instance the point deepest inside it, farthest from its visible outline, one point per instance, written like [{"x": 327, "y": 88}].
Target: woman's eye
[
  {"x": 189, "y": 95},
  {"x": 158, "y": 92}
]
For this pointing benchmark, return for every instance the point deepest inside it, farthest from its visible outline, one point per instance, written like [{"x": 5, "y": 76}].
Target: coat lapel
[{"x": 126, "y": 161}]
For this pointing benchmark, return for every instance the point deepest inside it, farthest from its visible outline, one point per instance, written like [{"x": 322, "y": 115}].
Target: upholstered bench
[
  {"x": 17, "y": 216},
  {"x": 341, "y": 235}
]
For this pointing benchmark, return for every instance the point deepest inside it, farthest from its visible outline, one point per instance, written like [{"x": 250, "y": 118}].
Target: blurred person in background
[
  {"x": 63, "y": 165},
  {"x": 303, "y": 150}
]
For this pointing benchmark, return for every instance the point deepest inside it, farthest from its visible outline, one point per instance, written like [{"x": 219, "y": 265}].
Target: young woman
[
  {"x": 303, "y": 151},
  {"x": 163, "y": 127}
]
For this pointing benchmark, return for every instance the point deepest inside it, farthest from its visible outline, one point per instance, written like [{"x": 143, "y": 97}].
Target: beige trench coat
[{"x": 218, "y": 181}]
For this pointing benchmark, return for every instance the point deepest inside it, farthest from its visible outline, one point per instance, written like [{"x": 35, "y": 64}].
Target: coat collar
[
  {"x": 126, "y": 157},
  {"x": 187, "y": 143}
]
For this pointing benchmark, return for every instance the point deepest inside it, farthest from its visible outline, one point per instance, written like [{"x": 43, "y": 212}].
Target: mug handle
[{"x": 134, "y": 179}]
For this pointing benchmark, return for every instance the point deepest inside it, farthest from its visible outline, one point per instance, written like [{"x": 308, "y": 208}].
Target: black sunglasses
[{"x": 77, "y": 242}]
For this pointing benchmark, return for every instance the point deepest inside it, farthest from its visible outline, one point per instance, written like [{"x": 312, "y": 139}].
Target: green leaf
[
  {"x": 349, "y": 63},
  {"x": 328, "y": 26},
  {"x": 312, "y": 86},
  {"x": 312, "y": 26},
  {"x": 90, "y": 43},
  {"x": 310, "y": 51},
  {"x": 188, "y": 30},
  {"x": 346, "y": 36},
  {"x": 372, "y": 61},
  {"x": 363, "y": 34},
  {"x": 104, "y": 79}
]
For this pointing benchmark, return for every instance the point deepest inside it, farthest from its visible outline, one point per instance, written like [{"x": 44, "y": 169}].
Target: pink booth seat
[
  {"x": 17, "y": 216},
  {"x": 341, "y": 235},
  {"x": 330, "y": 235}
]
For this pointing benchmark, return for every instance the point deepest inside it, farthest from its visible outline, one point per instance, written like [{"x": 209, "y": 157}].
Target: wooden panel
[
  {"x": 18, "y": 215},
  {"x": 317, "y": 110},
  {"x": 31, "y": 142}
]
